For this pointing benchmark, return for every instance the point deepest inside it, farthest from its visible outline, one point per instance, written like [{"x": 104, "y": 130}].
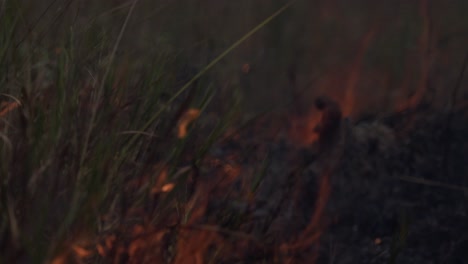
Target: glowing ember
[
  {"x": 187, "y": 118},
  {"x": 378, "y": 241},
  {"x": 81, "y": 251},
  {"x": 167, "y": 187}
]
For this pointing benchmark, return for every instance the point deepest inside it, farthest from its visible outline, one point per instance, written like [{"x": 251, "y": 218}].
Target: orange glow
[
  {"x": 246, "y": 68},
  {"x": 193, "y": 245},
  {"x": 167, "y": 187},
  {"x": 110, "y": 241},
  {"x": 7, "y": 107},
  {"x": 401, "y": 103},
  {"x": 160, "y": 180},
  {"x": 101, "y": 250},
  {"x": 302, "y": 128},
  {"x": 187, "y": 118},
  {"x": 232, "y": 171},
  {"x": 377, "y": 241},
  {"x": 314, "y": 230},
  {"x": 135, "y": 246},
  {"x": 81, "y": 251},
  {"x": 425, "y": 59},
  {"x": 138, "y": 229},
  {"x": 62, "y": 259},
  {"x": 347, "y": 105}
]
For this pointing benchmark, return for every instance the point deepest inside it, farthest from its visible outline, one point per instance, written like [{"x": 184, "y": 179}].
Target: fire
[
  {"x": 62, "y": 259},
  {"x": 82, "y": 252},
  {"x": 168, "y": 187},
  {"x": 425, "y": 59},
  {"x": 313, "y": 231},
  {"x": 187, "y": 118},
  {"x": 160, "y": 181},
  {"x": 348, "y": 103},
  {"x": 302, "y": 128}
]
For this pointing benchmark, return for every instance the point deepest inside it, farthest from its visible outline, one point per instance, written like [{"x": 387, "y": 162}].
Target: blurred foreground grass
[{"x": 81, "y": 115}]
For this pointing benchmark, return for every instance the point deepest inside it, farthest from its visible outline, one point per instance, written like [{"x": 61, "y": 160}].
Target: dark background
[{"x": 370, "y": 55}]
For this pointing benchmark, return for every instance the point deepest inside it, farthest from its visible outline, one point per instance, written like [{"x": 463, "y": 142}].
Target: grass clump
[{"x": 88, "y": 135}]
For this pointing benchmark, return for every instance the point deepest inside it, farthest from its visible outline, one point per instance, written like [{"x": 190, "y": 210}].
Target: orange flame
[
  {"x": 187, "y": 118},
  {"x": 302, "y": 128},
  {"x": 313, "y": 231},
  {"x": 81, "y": 252},
  {"x": 8, "y": 107},
  {"x": 425, "y": 59},
  {"x": 62, "y": 259},
  {"x": 355, "y": 73}
]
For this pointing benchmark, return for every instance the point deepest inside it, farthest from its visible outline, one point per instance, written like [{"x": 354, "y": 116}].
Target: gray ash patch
[{"x": 373, "y": 199}]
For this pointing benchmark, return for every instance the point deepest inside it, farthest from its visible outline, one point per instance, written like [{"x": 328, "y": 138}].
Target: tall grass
[{"x": 90, "y": 118}]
